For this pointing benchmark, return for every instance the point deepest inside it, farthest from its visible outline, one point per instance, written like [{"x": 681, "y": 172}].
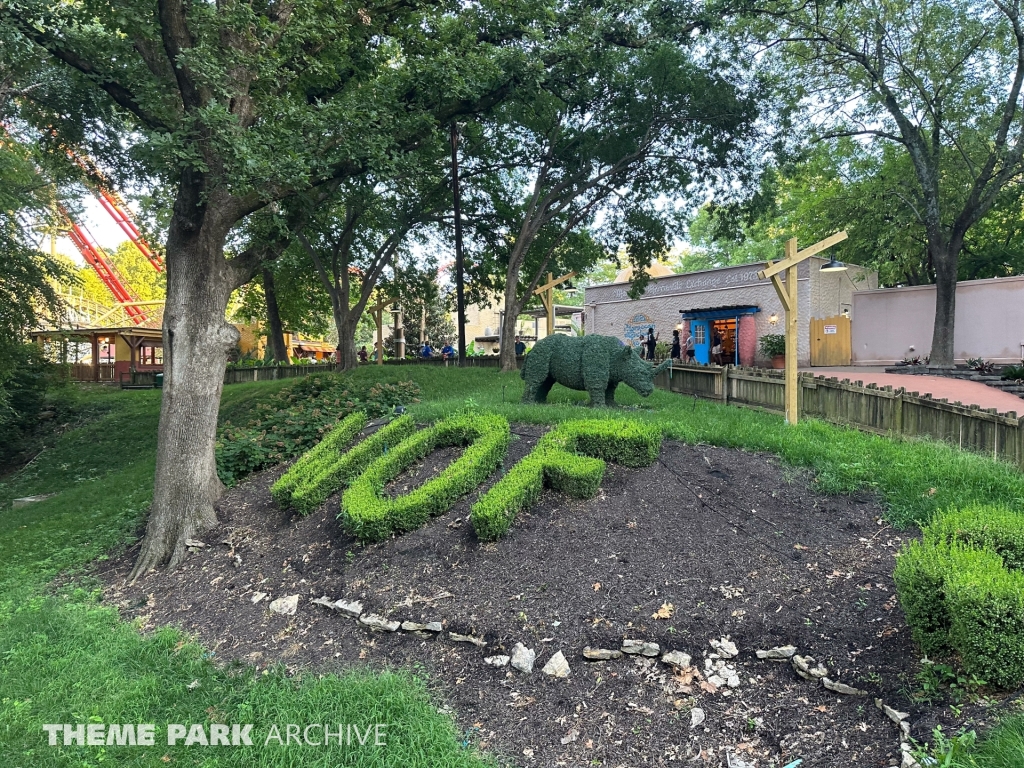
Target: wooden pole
[
  {"x": 378, "y": 316},
  {"x": 792, "y": 336},
  {"x": 550, "y": 305}
]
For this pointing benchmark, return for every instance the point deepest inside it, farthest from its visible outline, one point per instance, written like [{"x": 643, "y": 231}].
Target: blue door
[{"x": 701, "y": 340}]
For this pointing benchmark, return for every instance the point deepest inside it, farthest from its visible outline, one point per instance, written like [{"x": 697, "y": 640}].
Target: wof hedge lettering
[
  {"x": 570, "y": 459},
  {"x": 325, "y": 469},
  {"x": 371, "y": 516},
  {"x": 962, "y": 590}
]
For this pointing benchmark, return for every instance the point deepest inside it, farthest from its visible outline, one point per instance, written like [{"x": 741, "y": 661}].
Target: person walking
[
  {"x": 677, "y": 349},
  {"x": 652, "y": 343},
  {"x": 690, "y": 352}
]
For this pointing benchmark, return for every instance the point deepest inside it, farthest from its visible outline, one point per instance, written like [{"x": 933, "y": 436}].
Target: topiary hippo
[{"x": 595, "y": 364}]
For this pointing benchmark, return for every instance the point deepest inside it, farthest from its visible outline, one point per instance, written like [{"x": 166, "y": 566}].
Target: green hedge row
[
  {"x": 318, "y": 474},
  {"x": 371, "y": 516},
  {"x": 962, "y": 591},
  {"x": 569, "y": 459}
]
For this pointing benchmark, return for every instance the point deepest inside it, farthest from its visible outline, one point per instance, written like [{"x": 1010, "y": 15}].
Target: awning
[{"x": 717, "y": 313}]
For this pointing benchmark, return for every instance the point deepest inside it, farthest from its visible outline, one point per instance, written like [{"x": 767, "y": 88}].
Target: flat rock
[
  {"x": 195, "y": 543},
  {"x": 640, "y": 647},
  {"x": 726, "y": 648},
  {"x": 848, "y": 690},
  {"x": 286, "y": 606},
  {"x": 325, "y": 601},
  {"x": 430, "y": 626},
  {"x": 600, "y": 654},
  {"x": 718, "y": 682},
  {"x": 780, "y": 653},
  {"x": 733, "y": 681},
  {"x": 893, "y": 714},
  {"x": 378, "y": 623},
  {"x": 808, "y": 668},
  {"x": 257, "y": 597},
  {"x": 497, "y": 661},
  {"x": 478, "y": 642},
  {"x": 353, "y": 608},
  {"x": 677, "y": 659},
  {"x": 24, "y": 501},
  {"x": 523, "y": 658},
  {"x": 697, "y": 717},
  {"x": 557, "y": 666}
]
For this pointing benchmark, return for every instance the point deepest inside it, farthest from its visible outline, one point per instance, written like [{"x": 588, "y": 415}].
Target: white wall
[{"x": 989, "y": 322}]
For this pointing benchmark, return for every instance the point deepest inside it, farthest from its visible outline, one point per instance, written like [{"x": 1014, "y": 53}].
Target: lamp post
[{"x": 788, "y": 297}]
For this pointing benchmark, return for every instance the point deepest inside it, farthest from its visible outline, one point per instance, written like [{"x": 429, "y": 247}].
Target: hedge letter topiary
[
  {"x": 371, "y": 516},
  {"x": 557, "y": 463},
  {"x": 325, "y": 470}
]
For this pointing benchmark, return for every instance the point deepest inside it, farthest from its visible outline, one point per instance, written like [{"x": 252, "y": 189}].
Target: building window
[{"x": 700, "y": 334}]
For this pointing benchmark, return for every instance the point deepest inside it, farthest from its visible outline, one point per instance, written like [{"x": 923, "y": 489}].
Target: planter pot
[{"x": 779, "y": 362}]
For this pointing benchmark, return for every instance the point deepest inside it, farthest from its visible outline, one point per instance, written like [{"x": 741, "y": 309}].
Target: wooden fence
[
  {"x": 88, "y": 372},
  {"x": 881, "y": 410}
]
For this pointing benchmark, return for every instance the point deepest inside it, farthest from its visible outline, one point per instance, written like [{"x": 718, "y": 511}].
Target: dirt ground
[{"x": 707, "y": 543}]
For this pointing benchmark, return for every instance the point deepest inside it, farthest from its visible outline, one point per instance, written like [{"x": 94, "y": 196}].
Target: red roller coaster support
[
  {"x": 97, "y": 259},
  {"x": 119, "y": 213}
]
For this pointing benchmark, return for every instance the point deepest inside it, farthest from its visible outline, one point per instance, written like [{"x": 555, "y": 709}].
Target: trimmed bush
[
  {"x": 557, "y": 463},
  {"x": 984, "y": 526},
  {"x": 339, "y": 473},
  {"x": 986, "y": 607},
  {"x": 922, "y": 571},
  {"x": 371, "y": 516},
  {"x": 314, "y": 462}
]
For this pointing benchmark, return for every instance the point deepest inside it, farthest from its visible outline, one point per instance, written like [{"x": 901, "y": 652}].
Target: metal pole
[{"x": 460, "y": 285}]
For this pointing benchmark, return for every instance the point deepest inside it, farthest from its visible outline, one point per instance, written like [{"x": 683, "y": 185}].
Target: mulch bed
[{"x": 737, "y": 544}]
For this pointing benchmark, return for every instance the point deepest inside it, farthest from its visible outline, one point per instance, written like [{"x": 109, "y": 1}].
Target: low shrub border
[
  {"x": 314, "y": 482},
  {"x": 371, "y": 516},
  {"x": 313, "y": 463},
  {"x": 570, "y": 459},
  {"x": 961, "y": 590}
]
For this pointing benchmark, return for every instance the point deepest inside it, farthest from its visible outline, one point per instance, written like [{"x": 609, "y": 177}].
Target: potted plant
[{"x": 773, "y": 346}]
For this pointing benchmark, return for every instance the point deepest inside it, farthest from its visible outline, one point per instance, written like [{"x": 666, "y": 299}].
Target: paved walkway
[{"x": 967, "y": 392}]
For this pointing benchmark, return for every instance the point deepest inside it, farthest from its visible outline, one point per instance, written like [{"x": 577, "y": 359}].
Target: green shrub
[
  {"x": 371, "y": 516},
  {"x": 346, "y": 468},
  {"x": 772, "y": 344},
  {"x": 985, "y": 526},
  {"x": 318, "y": 459},
  {"x": 921, "y": 574},
  {"x": 986, "y": 607},
  {"x": 298, "y": 417},
  {"x": 629, "y": 443},
  {"x": 568, "y": 459}
]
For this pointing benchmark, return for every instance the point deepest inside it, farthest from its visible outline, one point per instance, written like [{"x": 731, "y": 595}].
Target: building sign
[
  {"x": 830, "y": 329},
  {"x": 691, "y": 283},
  {"x": 635, "y": 330}
]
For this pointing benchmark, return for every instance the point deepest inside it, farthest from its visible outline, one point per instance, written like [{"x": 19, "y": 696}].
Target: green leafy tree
[
  {"x": 941, "y": 80},
  {"x": 235, "y": 107},
  {"x": 636, "y": 115}
]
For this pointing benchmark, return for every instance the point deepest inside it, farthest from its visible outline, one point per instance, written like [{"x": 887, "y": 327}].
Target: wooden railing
[
  {"x": 87, "y": 372},
  {"x": 881, "y": 410}
]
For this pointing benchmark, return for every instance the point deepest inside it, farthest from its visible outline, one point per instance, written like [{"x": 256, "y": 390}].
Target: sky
[{"x": 99, "y": 223}]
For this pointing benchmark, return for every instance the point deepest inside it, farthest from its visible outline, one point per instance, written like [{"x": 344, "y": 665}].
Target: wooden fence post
[{"x": 897, "y": 411}]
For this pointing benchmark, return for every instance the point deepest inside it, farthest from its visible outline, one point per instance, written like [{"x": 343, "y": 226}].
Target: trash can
[{"x": 158, "y": 380}]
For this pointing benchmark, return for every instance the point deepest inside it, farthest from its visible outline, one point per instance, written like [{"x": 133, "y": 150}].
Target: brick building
[{"x": 731, "y": 302}]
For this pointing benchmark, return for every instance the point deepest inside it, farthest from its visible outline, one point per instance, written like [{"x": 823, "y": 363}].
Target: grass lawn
[{"x": 64, "y": 658}]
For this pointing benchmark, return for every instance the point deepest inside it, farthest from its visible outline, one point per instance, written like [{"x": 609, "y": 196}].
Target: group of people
[{"x": 649, "y": 345}]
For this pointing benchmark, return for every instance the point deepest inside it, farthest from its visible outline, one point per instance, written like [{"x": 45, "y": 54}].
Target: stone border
[{"x": 718, "y": 674}]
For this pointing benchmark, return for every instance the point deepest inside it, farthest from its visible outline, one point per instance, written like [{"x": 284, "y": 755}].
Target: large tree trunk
[
  {"x": 345, "y": 323},
  {"x": 275, "y": 330},
  {"x": 944, "y": 257},
  {"x": 507, "y": 350},
  {"x": 197, "y": 339}
]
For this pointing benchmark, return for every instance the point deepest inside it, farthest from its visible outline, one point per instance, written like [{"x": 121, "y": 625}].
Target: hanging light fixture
[{"x": 833, "y": 266}]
